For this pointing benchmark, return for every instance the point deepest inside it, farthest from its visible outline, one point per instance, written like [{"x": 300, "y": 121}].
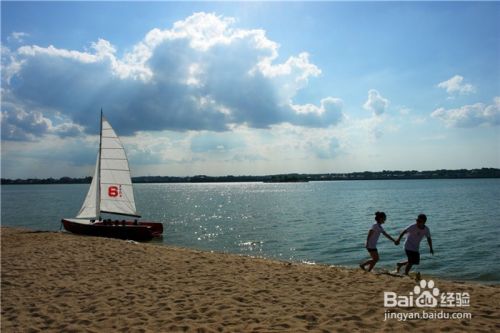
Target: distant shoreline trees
[{"x": 283, "y": 178}]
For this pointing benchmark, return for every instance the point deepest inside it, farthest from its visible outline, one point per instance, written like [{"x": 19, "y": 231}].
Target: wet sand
[{"x": 58, "y": 282}]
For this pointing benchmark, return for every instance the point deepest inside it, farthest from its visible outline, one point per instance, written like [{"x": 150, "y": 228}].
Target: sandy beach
[{"x": 58, "y": 282}]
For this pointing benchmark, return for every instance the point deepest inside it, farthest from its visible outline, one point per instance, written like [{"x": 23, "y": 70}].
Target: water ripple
[{"x": 321, "y": 222}]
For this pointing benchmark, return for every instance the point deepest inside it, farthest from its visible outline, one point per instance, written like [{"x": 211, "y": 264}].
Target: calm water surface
[{"x": 320, "y": 222}]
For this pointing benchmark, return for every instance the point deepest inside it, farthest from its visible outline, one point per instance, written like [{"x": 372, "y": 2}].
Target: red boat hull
[{"x": 138, "y": 231}]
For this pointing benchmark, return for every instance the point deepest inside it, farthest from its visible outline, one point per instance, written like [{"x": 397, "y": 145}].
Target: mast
[{"x": 98, "y": 196}]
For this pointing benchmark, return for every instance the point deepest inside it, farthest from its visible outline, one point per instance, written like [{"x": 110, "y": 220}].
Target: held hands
[{"x": 396, "y": 242}]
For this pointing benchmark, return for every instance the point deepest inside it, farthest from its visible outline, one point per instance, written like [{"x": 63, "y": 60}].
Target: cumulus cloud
[
  {"x": 19, "y": 125},
  {"x": 456, "y": 85},
  {"x": 376, "y": 103},
  {"x": 21, "y": 122},
  {"x": 201, "y": 74},
  {"x": 471, "y": 115},
  {"x": 328, "y": 112}
]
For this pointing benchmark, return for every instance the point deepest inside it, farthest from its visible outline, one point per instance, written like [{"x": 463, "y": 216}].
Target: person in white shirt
[
  {"x": 416, "y": 233},
  {"x": 372, "y": 238}
]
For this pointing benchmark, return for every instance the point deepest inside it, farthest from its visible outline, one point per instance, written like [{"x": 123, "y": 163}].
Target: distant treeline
[{"x": 293, "y": 177}]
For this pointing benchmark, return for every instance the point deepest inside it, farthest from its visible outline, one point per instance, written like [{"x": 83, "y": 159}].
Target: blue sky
[{"x": 256, "y": 88}]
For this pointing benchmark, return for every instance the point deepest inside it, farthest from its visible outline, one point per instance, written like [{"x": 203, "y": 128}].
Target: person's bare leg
[
  {"x": 399, "y": 265},
  {"x": 373, "y": 261},
  {"x": 408, "y": 268}
]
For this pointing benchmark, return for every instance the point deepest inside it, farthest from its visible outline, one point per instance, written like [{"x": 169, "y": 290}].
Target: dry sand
[{"x": 58, "y": 282}]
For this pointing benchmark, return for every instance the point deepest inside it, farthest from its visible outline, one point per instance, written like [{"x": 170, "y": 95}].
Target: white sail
[
  {"x": 90, "y": 207},
  {"x": 117, "y": 195},
  {"x": 115, "y": 184}
]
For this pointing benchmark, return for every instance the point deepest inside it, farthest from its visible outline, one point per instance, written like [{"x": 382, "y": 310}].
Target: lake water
[{"x": 317, "y": 222}]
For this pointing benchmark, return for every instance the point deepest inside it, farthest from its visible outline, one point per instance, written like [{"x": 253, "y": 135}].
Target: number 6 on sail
[{"x": 111, "y": 192}]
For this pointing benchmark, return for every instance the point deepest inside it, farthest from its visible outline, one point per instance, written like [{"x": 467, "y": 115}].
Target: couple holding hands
[{"x": 416, "y": 233}]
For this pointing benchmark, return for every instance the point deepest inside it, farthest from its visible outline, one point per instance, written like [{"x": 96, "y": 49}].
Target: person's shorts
[
  {"x": 372, "y": 250},
  {"x": 413, "y": 257}
]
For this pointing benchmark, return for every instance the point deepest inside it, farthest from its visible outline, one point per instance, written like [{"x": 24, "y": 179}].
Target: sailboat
[{"x": 111, "y": 192}]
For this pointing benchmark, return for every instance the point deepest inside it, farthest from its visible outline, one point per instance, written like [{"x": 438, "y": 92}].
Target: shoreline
[
  {"x": 53, "y": 281},
  {"x": 477, "y": 173},
  {"x": 379, "y": 270}
]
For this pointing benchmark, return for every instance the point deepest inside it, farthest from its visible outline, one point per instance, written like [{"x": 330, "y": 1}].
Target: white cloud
[
  {"x": 202, "y": 74},
  {"x": 18, "y": 124},
  {"x": 326, "y": 150},
  {"x": 18, "y": 36},
  {"x": 246, "y": 149},
  {"x": 376, "y": 103},
  {"x": 456, "y": 85},
  {"x": 51, "y": 51},
  {"x": 294, "y": 65},
  {"x": 405, "y": 110},
  {"x": 471, "y": 115},
  {"x": 54, "y": 157},
  {"x": 23, "y": 122},
  {"x": 10, "y": 66},
  {"x": 328, "y": 112},
  {"x": 372, "y": 128}
]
